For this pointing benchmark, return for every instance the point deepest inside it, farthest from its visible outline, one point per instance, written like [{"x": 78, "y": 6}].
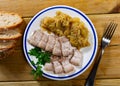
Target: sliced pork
[
  {"x": 54, "y": 58},
  {"x": 57, "y": 49},
  {"x": 66, "y": 47},
  {"x": 64, "y": 57},
  {"x": 77, "y": 58},
  {"x": 42, "y": 44},
  {"x": 57, "y": 67},
  {"x": 35, "y": 38},
  {"x": 67, "y": 66},
  {"x": 48, "y": 66},
  {"x": 50, "y": 43}
]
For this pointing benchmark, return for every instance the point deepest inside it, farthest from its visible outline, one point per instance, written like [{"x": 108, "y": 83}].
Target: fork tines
[{"x": 110, "y": 30}]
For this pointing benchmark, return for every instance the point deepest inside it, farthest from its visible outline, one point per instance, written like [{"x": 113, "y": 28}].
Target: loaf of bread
[{"x": 9, "y": 25}]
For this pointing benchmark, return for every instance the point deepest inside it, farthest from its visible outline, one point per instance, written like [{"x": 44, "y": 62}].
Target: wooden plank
[
  {"x": 107, "y": 82},
  {"x": 31, "y": 7},
  {"x": 45, "y": 83},
  {"x": 15, "y": 67},
  {"x": 103, "y": 82}
]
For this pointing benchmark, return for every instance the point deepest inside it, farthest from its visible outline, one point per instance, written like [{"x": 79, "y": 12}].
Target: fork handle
[{"x": 91, "y": 77}]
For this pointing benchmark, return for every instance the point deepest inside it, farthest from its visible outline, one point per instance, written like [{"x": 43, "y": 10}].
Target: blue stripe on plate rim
[{"x": 95, "y": 42}]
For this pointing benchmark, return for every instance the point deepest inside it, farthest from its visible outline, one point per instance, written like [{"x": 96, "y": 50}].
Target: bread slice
[
  {"x": 9, "y": 34},
  {"x": 6, "y": 53},
  {"x": 5, "y": 45},
  {"x": 9, "y": 20}
]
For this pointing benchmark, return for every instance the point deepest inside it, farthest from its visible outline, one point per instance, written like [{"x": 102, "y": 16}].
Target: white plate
[{"x": 88, "y": 52}]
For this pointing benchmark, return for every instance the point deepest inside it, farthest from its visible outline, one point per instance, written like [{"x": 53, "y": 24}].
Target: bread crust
[
  {"x": 6, "y": 53},
  {"x": 12, "y": 38},
  {"x": 12, "y": 26},
  {"x": 11, "y": 45},
  {"x": 15, "y": 34}
]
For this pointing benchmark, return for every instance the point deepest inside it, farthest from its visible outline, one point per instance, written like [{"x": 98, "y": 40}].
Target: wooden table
[{"x": 15, "y": 70}]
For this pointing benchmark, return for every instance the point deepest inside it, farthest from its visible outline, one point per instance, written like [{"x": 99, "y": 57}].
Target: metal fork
[{"x": 104, "y": 43}]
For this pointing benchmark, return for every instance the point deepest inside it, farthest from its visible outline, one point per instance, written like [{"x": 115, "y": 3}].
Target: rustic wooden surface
[{"x": 15, "y": 71}]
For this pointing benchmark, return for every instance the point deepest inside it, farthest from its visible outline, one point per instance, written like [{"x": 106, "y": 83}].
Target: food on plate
[
  {"x": 67, "y": 66},
  {"x": 76, "y": 58},
  {"x": 43, "y": 42},
  {"x": 43, "y": 58},
  {"x": 64, "y": 56},
  {"x": 61, "y": 45},
  {"x": 9, "y": 31},
  {"x": 64, "y": 25},
  {"x": 63, "y": 37},
  {"x": 50, "y": 44},
  {"x": 48, "y": 66},
  {"x": 36, "y": 37},
  {"x": 58, "y": 67},
  {"x": 66, "y": 47},
  {"x": 57, "y": 48}
]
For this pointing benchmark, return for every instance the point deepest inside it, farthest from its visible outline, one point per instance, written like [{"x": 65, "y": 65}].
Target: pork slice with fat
[
  {"x": 77, "y": 58},
  {"x": 48, "y": 66},
  {"x": 66, "y": 47},
  {"x": 50, "y": 43},
  {"x": 35, "y": 38},
  {"x": 56, "y": 64},
  {"x": 58, "y": 69},
  {"x": 67, "y": 66},
  {"x": 57, "y": 48},
  {"x": 43, "y": 42}
]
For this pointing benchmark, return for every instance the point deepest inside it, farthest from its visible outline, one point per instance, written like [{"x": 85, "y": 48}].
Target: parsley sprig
[{"x": 43, "y": 57}]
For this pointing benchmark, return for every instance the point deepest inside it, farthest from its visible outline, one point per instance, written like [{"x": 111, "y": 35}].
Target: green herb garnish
[
  {"x": 37, "y": 73},
  {"x": 43, "y": 57}
]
